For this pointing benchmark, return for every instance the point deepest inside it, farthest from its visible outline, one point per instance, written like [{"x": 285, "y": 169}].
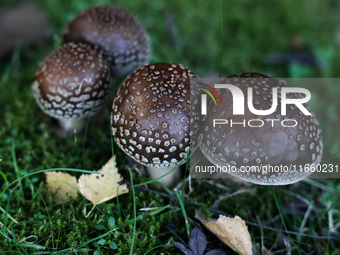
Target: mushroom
[
  {"x": 72, "y": 82},
  {"x": 116, "y": 31},
  {"x": 150, "y": 117},
  {"x": 260, "y": 149}
]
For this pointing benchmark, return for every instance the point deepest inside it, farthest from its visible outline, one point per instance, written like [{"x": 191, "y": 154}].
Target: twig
[
  {"x": 178, "y": 237},
  {"x": 305, "y": 218},
  {"x": 241, "y": 191},
  {"x": 50, "y": 236}
]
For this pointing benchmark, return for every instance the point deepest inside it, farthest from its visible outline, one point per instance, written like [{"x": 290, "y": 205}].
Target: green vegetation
[{"x": 34, "y": 224}]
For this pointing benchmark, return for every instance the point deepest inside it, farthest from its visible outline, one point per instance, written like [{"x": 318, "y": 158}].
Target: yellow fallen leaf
[
  {"x": 63, "y": 185},
  {"x": 231, "y": 231},
  {"x": 102, "y": 187}
]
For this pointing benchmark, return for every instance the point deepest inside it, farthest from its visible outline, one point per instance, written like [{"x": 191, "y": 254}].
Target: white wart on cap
[
  {"x": 150, "y": 115},
  {"x": 239, "y": 146},
  {"x": 116, "y": 31},
  {"x": 72, "y": 82}
]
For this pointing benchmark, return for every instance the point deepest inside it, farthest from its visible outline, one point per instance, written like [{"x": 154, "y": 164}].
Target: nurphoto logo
[{"x": 239, "y": 104}]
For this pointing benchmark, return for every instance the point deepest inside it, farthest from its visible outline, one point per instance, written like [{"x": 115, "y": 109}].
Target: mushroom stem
[
  {"x": 169, "y": 180},
  {"x": 71, "y": 125}
]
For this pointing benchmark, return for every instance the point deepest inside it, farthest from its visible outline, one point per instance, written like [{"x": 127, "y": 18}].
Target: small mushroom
[
  {"x": 150, "y": 117},
  {"x": 72, "y": 82},
  {"x": 116, "y": 31},
  {"x": 249, "y": 147}
]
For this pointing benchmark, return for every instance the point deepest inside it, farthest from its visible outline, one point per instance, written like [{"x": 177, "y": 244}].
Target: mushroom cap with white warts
[
  {"x": 150, "y": 115},
  {"x": 249, "y": 148},
  {"x": 72, "y": 82},
  {"x": 116, "y": 31}
]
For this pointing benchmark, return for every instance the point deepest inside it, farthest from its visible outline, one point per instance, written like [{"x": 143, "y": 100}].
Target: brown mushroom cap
[
  {"x": 240, "y": 146},
  {"x": 114, "y": 30},
  {"x": 150, "y": 114},
  {"x": 71, "y": 81}
]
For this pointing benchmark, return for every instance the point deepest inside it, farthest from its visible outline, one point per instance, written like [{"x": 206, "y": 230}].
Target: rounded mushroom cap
[
  {"x": 150, "y": 114},
  {"x": 71, "y": 81},
  {"x": 246, "y": 148},
  {"x": 114, "y": 30}
]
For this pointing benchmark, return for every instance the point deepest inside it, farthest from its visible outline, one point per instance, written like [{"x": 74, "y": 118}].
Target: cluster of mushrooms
[
  {"x": 152, "y": 113},
  {"x": 98, "y": 43}
]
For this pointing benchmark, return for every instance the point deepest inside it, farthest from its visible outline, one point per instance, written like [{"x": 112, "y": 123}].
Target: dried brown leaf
[
  {"x": 102, "y": 187},
  {"x": 231, "y": 231},
  {"x": 62, "y": 185}
]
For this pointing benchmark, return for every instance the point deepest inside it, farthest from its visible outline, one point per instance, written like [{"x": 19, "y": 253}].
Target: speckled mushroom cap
[
  {"x": 71, "y": 81},
  {"x": 150, "y": 114},
  {"x": 116, "y": 31},
  {"x": 262, "y": 146}
]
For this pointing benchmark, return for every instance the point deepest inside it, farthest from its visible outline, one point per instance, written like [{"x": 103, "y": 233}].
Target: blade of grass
[
  {"x": 185, "y": 174},
  {"x": 184, "y": 212},
  {"x": 326, "y": 212},
  {"x": 8, "y": 215},
  {"x": 48, "y": 215},
  {"x": 33, "y": 246},
  {"x": 5, "y": 74},
  {"x": 154, "y": 212},
  {"x": 134, "y": 213},
  {"x": 46, "y": 170},
  {"x": 162, "y": 245},
  {"x": 172, "y": 211},
  {"x": 165, "y": 188},
  {"x": 117, "y": 199},
  {"x": 283, "y": 222},
  {"x": 5, "y": 221},
  {"x": 15, "y": 164},
  {"x": 3, "y": 233},
  {"x": 87, "y": 127},
  {"x": 58, "y": 240},
  {"x": 4, "y": 176},
  {"x": 75, "y": 252},
  {"x": 80, "y": 245},
  {"x": 13, "y": 234},
  {"x": 236, "y": 248},
  {"x": 336, "y": 252},
  {"x": 10, "y": 65},
  {"x": 156, "y": 179},
  {"x": 71, "y": 186}
]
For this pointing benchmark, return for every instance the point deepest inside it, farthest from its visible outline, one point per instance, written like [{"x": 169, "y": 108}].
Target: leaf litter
[{"x": 98, "y": 188}]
